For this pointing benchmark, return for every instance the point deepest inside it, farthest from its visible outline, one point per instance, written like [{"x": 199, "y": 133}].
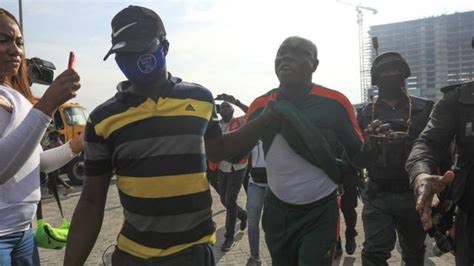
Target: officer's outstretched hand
[
  {"x": 425, "y": 187},
  {"x": 377, "y": 128}
]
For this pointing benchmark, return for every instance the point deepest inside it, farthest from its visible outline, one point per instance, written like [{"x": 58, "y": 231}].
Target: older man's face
[{"x": 295, "y": 61}]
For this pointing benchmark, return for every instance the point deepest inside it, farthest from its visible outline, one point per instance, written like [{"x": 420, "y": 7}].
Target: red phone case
[{"x": 72, "y": 60}]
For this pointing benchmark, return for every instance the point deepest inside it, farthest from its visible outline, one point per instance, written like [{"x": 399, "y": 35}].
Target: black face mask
[{"x": 391, "y": 87}]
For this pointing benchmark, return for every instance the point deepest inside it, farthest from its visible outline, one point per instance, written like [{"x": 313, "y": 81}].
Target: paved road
[{"x": 237, "y": 256}]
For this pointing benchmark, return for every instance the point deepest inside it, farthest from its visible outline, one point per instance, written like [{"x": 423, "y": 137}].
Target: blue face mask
[{"x": 142, "y": 68}]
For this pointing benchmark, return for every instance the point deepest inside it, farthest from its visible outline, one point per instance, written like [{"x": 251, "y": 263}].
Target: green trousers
[
  {"x": 300, "y": 234},
  {"x": 386, "y": 215}
]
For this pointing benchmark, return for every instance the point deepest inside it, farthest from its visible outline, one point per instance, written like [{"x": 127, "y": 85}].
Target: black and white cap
[{"x": 134, "y": 29}]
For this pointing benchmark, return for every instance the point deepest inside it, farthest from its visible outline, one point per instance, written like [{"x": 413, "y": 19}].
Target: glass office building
[{"x": 438, "y": 50}]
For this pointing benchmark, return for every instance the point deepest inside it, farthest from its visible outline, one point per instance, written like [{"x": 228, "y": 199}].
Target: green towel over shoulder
[{"x": 305, "y": 138}]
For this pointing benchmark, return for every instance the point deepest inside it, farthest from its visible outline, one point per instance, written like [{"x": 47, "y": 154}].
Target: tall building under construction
[{"x": 438, "y": 50}]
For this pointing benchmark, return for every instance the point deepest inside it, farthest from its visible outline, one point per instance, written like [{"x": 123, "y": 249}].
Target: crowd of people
[{"x": 300, "y": 152}]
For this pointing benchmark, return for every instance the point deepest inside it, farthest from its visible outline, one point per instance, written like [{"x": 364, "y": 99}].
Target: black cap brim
[{"x": 129, "y": 46}]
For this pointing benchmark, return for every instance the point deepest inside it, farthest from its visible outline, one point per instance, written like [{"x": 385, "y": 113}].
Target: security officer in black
[
  {"x": 452, "y": 119},
  {"x": 391, "y": 124}
]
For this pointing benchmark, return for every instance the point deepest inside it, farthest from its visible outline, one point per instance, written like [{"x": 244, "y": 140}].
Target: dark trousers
[
  {"x": 229, "y": 187},
  {"x": 348, "y": 208},
  {"x": 464, "y": 239},
  {"x": 385, "y": 215},
  {"x": 202, "y": 254},
  {"x": 300, "y": 234},
  {"x": 213, "y": 177},
  {"x": 245, "y": 183}
]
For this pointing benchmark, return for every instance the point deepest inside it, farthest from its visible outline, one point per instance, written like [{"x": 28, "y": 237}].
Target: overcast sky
[{"x": 226, "y": 46}]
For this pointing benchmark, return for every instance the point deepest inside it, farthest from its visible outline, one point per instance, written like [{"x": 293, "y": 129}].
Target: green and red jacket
[{"x": 314, "y": 127}]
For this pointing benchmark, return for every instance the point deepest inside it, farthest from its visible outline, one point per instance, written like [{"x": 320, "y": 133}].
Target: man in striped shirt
[{"x": 151, "y": 136}]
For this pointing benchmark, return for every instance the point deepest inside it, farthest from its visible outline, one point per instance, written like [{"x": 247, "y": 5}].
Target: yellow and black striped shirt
[{"x": 156, "y": 150}]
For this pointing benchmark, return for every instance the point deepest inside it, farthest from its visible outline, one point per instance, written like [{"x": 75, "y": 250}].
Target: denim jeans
[
  {"x": 229, "y": 187},
  {"x": 19, "y": 249},
  {"x": 212, "y": 176},
  {"x": 255, "y": 196}
]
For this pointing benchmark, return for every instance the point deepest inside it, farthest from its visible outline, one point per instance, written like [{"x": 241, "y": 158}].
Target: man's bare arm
[
  {"x": 242, "y": 106},
  {"x": 235, "y": 145},
  {"x": 87, "y": 220},
  {"x": 231, "y": 99}
]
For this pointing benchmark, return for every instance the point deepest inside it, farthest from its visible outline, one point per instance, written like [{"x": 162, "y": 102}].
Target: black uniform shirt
[
  {"x": 388, "y": 162},
  {"x": 452, "y": 119}
]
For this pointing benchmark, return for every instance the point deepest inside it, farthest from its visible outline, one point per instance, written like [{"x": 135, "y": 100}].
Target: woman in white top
[{"x": 23, "y": 121}]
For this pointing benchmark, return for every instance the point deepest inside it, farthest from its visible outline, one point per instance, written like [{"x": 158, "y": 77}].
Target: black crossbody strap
[{"x": 53, "y": 187}]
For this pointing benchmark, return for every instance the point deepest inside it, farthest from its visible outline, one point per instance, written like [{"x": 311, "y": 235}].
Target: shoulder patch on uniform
[
  {"x": 466, "y": 93},
  {"x": 420, "y": 103},
  {"x": 450, "y": 88}
]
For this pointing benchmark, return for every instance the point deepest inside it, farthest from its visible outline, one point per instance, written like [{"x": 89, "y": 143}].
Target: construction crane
[{"x": 360, "y": 21}]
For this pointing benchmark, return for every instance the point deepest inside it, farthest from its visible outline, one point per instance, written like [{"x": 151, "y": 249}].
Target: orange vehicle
[{"x": 70, "y": 120}]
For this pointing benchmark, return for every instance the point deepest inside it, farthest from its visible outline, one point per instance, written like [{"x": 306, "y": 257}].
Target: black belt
[{"x": 390, "y": 185}]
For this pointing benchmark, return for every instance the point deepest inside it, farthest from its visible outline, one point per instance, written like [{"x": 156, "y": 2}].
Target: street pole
[{"x": 21, "y": 15}]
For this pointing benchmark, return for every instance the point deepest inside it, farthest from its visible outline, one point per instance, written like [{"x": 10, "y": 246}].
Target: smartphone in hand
[{"x": 72, "y": 61}]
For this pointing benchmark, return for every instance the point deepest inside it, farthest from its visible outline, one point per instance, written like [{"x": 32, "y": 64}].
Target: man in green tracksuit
[{"x": 300, "y": 213}]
